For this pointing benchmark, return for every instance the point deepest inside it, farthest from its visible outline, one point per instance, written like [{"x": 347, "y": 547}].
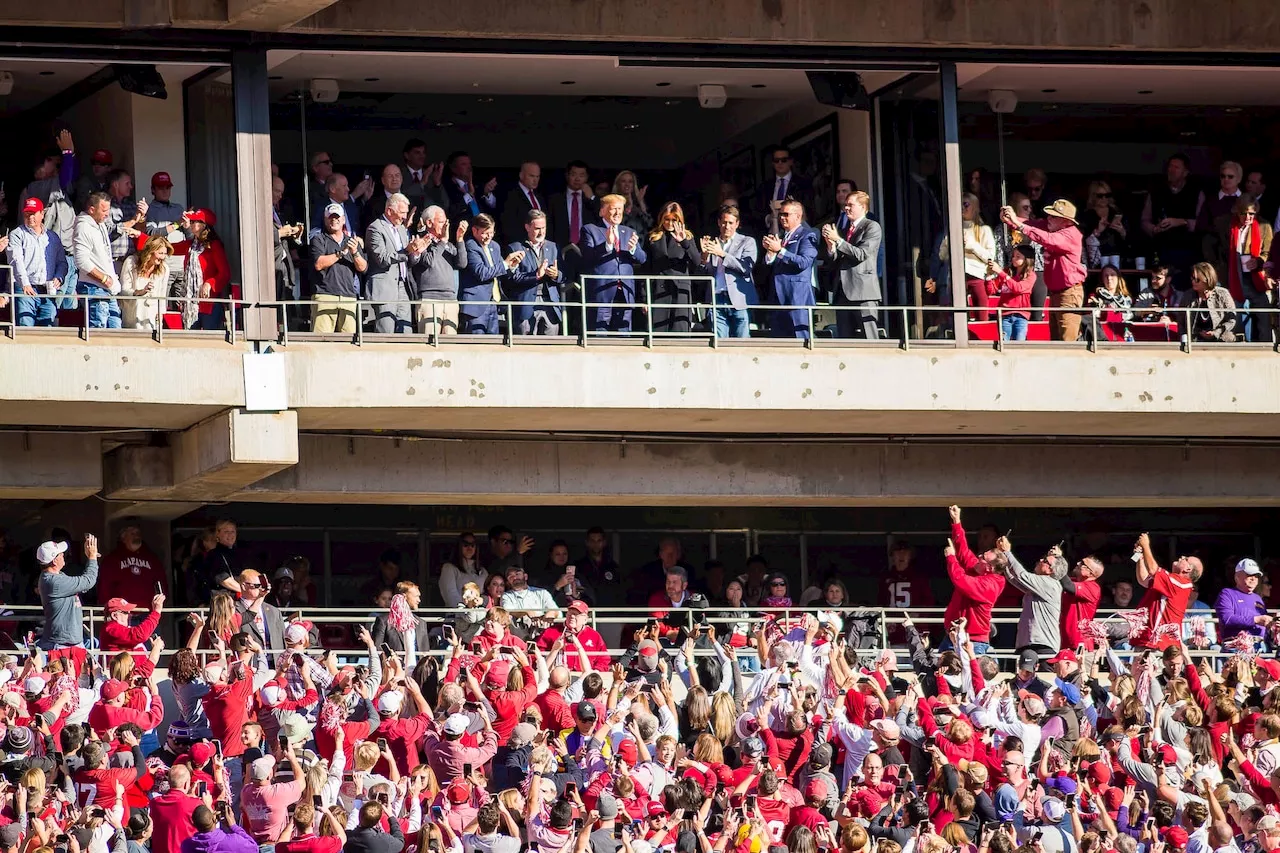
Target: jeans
[
  {"x": 68, "y": 289},
  {"x": 979, "y": 649},
  {"x": 214, "y": 321},
  {"x": 1013, "y": 327},
  {"x": 234, "y": 767},
  {"x": 732, "y": 322},
  {"x": 150, "y": 742},
  {"x": 38, "y": 310},
  {"x": 104, "y": 313},
  {"x": 1256, "y": 327}
]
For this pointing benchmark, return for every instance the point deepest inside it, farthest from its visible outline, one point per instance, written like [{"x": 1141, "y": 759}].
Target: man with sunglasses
[
  {"x": 260, "y": 620},
  {"x": 785, "y": 184},
  {"x": 1167, "y": 598},
  {"x": 1081, "y": 593}
]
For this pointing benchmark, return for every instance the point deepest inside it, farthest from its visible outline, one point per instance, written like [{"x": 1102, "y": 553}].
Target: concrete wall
[
  {"x": 105, "y": 120},
  {"x": 123, "y": 381},
  {"x": 159, "y": 138}
]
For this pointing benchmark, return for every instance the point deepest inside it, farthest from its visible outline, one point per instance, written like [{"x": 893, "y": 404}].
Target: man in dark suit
[
  {"x": 282, "y": 254},
  {"x": 478, "y": 282},
  {"x": 522, "y": 198},
  {"x": 852, "y": 253},
  {"x": 785, "y": 184},
  {"x": 790, "y": 260},
  {"x": 568, "y": 212},
  {"x": 611, "y": 250},
  {"x": 464, "y": 201},
  {"x": 420, "y": 181},
  {"x": 390, "y": 182},
  {"x": 537, "y": 278},
  {"x": 395, "y": 638}
]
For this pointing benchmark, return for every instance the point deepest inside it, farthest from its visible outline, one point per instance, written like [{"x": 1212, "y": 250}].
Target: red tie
[
  {"x": 533, "y": 200},
  {"x": 849, "y": 236},
  {"x": 575, "y": 219}
]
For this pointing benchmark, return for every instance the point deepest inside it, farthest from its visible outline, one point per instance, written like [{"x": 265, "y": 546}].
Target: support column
[
  {"x": 253, "y": 180},
  {"x": 952, "y": 192}
]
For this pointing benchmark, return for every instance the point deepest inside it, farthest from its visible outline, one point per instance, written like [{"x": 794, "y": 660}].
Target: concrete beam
[
  {"x": 598, "y": 473},
  {"x": 51, "y": 466},
  {"x": 267, "y": 15},
  {"x": 209, "y": 461}
]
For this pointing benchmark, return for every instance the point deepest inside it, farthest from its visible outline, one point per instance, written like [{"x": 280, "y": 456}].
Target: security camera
[
  {"x": 712, "y": 96},
  {"x": 1002, "y": 101},
  {"x": 324, "y": 90}
]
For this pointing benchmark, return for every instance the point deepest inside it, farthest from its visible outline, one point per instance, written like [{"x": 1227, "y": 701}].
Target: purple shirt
[{"x": 1236, "y": 610}]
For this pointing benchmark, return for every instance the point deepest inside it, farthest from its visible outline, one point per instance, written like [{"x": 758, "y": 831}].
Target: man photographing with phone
[
  {"x": 119, "y": 636},
  {"x": 583, "y": 647},
  {"x": 63, "y": 633}
]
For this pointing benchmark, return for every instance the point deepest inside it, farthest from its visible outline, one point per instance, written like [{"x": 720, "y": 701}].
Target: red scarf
[{"x": 1233, "y": 268}]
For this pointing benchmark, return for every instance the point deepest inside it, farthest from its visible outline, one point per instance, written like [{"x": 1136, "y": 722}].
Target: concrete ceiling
[{"x": 1135, "y": 85}]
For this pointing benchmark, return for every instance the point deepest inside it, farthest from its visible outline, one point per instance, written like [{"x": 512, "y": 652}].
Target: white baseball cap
[
  {"x": 1248, "y": 567},
  {"x": 49, "y": 551},
  {"x": 34, "y": 684},
  {"x": 456, "y": 725},
  {"x": 390, "y": 702},
  {"x": 295, "y": 633}
]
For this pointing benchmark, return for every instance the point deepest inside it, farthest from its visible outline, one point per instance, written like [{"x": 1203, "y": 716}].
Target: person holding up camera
[{"x": 119, "y": 636}]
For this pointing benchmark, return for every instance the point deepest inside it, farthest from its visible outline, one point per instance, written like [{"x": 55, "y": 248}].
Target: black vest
[{"x": 1166, "y": 204}]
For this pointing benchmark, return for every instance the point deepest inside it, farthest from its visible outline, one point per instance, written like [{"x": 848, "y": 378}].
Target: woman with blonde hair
[
  {"x": 979, "y": 248},
  {"x": 673, "y": 252},
  {"x": 636, "y": 214},
  {"x": 224, "y": 621},
  {"x": 1102, "y": 225},
  {"x": 724, "y": 713},
  {"x": 145, "y": 274},
  {"x": 1213, "y": 312}
]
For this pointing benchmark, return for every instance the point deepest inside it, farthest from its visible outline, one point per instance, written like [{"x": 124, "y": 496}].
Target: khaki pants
[
  {"x": 333, "y": 314},
  {"x": 1065, "y": 326},
  {"x": 431, "y": 314}
]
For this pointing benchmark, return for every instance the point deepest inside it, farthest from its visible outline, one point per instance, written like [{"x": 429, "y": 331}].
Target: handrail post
[
  {"x": 906, "y": 333},
  {"x": 509, "y": 339},
  {"x": 715, "y": 333},
  {"x": 359, "y": 321},
  {"x": 84, "y": 325},
  {"x": 1093, "y": 338},
  {"x": 648, "y": 310},
  {"x": 808, "y": 344},
  {"x": 999, "y": 329}
]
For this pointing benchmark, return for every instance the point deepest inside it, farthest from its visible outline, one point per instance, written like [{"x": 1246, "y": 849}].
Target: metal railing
[
  {"x": 810, "y": 326},
  {"x": 928, "y": 620}
]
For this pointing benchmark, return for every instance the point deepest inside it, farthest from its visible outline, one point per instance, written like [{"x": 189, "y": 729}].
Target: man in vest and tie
[
  {"x": 785, "y": 184},
  {"x": 478, "y": 284},
  {"x": 730, "y": 259},
  {"x": 790, "y": 258},
  {"x": 390, "y": 251},
  {"x": 852, "y": 252},
  {"x": 536, "y": 279}
]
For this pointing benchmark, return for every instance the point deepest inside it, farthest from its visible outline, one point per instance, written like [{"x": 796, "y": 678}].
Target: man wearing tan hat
[{"x": 1059, "y": 235}]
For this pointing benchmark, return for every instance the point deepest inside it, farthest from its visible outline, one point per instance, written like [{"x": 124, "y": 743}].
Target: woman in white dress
[{"x": 145, "y": 274}]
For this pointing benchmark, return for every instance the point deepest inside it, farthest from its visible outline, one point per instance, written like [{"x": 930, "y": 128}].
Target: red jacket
[
  {"x": 974, "y": 594},
  {"x": 591, "y": 641},
  {"x": 510, "y": 704},
  {"x": 1012, "y": 294},
  {"x": 216, "y": 272},
  {"x": 103, "y": 716},
  {"x": 123, "y": 638}
]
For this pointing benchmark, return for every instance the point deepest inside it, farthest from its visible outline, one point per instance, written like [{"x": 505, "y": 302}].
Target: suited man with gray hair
[
  {"x": 435, "y": 272},
  {"x": 390, "y": 253},
  {"x": 853, "y": 253}
]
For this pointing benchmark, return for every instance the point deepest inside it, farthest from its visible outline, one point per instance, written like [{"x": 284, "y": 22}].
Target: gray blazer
[
  {"x": 855, "y": 260},
  {"x": 388, "y": 266},
  {"x": 275, "y": 626}
]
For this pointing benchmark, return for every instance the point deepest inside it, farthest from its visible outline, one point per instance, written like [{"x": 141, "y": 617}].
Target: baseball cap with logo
[
  {"x": 32, "y": 205},
  {"x": 49, "y": 551},
  {"x": 295, "y": 633},
  {"x": 161, "y": 179},
  {"x": 117, "y": 605},
  {"x": 113, "y": 688},
  {"x": 101, "y": 157},
  {"x": 1248, "y": 567},
  {"x": 333, "y": 209}
]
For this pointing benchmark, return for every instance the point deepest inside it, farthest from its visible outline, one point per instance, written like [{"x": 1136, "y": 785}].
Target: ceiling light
[
  {"x": 46, "y": 73},
  {"x": 276, "y": 77},
  {"x": 1188, "y": 133},
  {"x": 660, "y": 85},
  {"x": 568, "y": 82},
  {"x": 443, "y": 124},
  {"x": 670, "y": 102},
  {"x": 758, "y": 86},
  {"x": 631, "y": 127},
  {"x": 1233, "y": 109},
  {"x": 372, "y": 79},
  {"x": 1146, "y": 91},
  {"x": 485, "y": 100},
  {"x": 1048, "y": 91},
  {"x": 1049, "y": 107}
]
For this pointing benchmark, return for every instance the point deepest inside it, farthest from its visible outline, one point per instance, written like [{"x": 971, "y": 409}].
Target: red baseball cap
[
  {"x": 815, "y": 790},
  {"x": 627, "y": 752},
  {"x": 205, "y": 215},
  {"x": 118, "y": 604},
  {"x": 1176, "y": 836},
  {"x": 202, "y": 753},
  {"x": 458, "y": 793},
  {"x": 578, "y": 606},
  {"x": 1064, "y": 655},
  {"x": 1270, "y": 667},
  {"x": 113, "y": 688},
  {"x": 1167, "y": 754},
  {"x": 161, "y": 179},
  {"x": 647, "y": 649},
  {"x": 32, "y": 205},
  {"x": 656, "y": 809},
  {"x": 102, "y": 157}
]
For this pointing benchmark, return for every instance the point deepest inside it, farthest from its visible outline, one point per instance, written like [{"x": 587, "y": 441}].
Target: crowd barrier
[
  {"x": 174, "y": 629},
  {"x": 897, "y": 326}
]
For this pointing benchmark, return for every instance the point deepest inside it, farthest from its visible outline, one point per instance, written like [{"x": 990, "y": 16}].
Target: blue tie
[
  {"x": 475, "y": 208},
  {"x": 782, "y": 190}
]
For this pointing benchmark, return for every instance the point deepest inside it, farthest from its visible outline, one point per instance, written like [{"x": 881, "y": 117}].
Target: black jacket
[{"x": 361, "y": 840}]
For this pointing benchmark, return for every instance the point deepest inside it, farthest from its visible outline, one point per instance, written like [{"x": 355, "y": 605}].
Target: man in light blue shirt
[
  {"x": 730, "y": 259},
  {"x": 39, "y": 264}
]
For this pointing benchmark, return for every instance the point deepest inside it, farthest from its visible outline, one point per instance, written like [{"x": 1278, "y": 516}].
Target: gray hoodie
[
  {"x": 1041, "y": 606},
  {"x": 63, "y": 617}
]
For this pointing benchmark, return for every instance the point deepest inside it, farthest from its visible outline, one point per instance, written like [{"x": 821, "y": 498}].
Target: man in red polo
[
  {"x": 575, "y": 633},
  {"x": 119, "y": 636}
]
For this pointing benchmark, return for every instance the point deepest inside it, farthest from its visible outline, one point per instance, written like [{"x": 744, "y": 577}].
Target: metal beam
[
  {"x": 253, "y": 178},
  {"x": 952, "y": 192}
]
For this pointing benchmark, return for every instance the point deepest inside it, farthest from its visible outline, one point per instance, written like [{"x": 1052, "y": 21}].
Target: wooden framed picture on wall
[{"x": 815, "y": 154}]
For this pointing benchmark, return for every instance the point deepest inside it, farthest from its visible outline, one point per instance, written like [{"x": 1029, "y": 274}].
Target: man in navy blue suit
[
  {"x": 537, "y": 278},
  {"x": 478, "y": 283},
  {"x": 790, "y": 258},
  {"x": 612, "y": 250},
  {"x": 465, "y": 201}
]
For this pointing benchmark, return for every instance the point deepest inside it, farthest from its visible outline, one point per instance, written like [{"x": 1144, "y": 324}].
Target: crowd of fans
[
  {"x": 508, "y": 725},
  {"x": 423, "y": 247}
]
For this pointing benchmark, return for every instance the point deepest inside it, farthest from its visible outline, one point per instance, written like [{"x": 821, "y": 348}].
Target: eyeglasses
[
  {"x": 325, "y": 162},
  {"x": 1104, "y": 195},
  {"x": 782, "y": 159},
  {"x": 1227, "y": 176},
  {"x": 777, "y": 583},
  {"x": 506, "y": 541},
  {"x": 252, "y": 585},
  {"x": 468, "y": 543},
  {"x": 1249, "y": 214}
]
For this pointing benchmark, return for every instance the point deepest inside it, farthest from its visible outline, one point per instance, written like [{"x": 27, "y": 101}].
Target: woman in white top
[
  {"x": 145, "y": 274},
  {"x": 462, "y": 569},
  {"x": 979, "y": 247}
]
